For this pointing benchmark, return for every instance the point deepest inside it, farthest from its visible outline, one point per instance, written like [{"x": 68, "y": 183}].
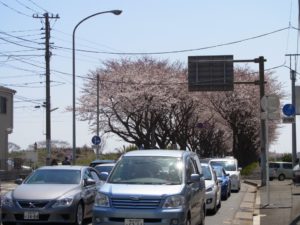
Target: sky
[{"x": 172, "y": 29}]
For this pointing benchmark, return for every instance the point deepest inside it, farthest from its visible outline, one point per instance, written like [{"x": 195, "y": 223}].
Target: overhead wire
[{"x": 15, "y": 10}]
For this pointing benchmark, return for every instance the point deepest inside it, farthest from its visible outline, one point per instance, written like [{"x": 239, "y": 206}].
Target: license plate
[
  {"x": 31, "y": 215},
  {"x": 134, "y": 222}
]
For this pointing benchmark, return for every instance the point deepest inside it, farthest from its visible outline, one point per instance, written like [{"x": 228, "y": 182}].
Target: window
[
  {"x": 3, "y": 106},
  {"x": 287, "y": 166}
]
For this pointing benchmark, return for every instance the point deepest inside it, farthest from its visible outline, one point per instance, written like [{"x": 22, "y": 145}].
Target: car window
[
  {"x": 94, "y": 175},
  {"x": 287, "y": 166},
  {"x": 206, "y": 172},
  {"x": 54, "y": 177},
  {"x": 147, "y": 170},
  {"x": 274, "y": 165},
  {"x": 190, "y": 169},
  {"x": 229, "y": 165}
]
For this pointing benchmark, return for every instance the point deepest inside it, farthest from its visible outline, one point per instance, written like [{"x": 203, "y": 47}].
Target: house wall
[{"x": 6, "y": 123}]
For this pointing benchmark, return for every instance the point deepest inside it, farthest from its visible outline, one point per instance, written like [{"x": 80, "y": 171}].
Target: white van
[{"x": 230, "y": 164}]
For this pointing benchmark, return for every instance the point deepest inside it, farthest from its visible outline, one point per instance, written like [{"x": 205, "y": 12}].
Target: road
[{"x": 229, "y": 208}]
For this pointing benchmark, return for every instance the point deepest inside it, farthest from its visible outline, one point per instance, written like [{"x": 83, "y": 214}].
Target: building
[{"x": 6, "y": 123}]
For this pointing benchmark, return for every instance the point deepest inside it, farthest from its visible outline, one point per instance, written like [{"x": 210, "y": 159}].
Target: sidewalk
[{"x": 282, "y": 207}]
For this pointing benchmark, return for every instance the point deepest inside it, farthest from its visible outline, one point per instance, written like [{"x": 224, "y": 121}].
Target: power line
[
  {"x": 15, "y": 10},
  {"x": 27, "y": 7},
  {"x": 178, "y": 51}
]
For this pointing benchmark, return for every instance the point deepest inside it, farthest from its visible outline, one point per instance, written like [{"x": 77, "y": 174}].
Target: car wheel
[
  {"x": 225, "y": 196},
  {"x": 215, "y": 209},
  {"x": 79, "y": 215},
  {"x": 229, "y": 190},
  {"x": 281, "y": 177}
]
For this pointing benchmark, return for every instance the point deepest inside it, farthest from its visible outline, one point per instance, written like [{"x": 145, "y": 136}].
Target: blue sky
[{"x": 259, "y": 28}]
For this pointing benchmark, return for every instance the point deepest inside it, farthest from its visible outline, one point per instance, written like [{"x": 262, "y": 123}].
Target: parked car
[
  {"x": 152, "y": 186},
  {"x": 230, "y": 165},
  {"x": 224, "y": 180},
  {"x": 296, "y": 175},
  {"x": 52, "y": 194},
  {"x": 280, "y": 170},
  {"x": 213, "y": 188},
  {"x": 104, "y": 168},
  {"x": 101, "y": 161}
]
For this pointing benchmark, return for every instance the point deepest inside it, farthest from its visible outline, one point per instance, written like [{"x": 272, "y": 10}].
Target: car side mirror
[
  {"x": 19, "y": 181},
  {"x": 219, "y": 180},
  {"x": 240, "y": 169},
  {"x": 89, "y": 182},
  {"x": 195, "y": 178},
  {"x": 103, "y": 176}
]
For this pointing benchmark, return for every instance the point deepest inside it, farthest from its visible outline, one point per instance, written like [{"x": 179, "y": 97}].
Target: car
[
  {"x": 104, "y": 168},
  {"x": 212, "y": 188},
  {"x": 101, "y": 161},
  {"x": 152, "y": 187},
  {"x": 230, "y": 165},
  {"x": 52, "y": 194},
  {"x": 224, "y": 180},
  {"x": 280, "y": 170}
]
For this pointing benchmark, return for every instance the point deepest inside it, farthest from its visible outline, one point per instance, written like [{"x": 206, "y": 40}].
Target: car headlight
[
  {"x": 175, "y": 201},
  {"x": 234, "y": 177},
  {"x": 7, "y": 200},
  {"x": 209, "y": 189},
  {"x": 101, "y": 200},
  {"x": 63, "y": 202}
]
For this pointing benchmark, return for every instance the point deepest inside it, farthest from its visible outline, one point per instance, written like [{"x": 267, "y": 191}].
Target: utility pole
[
  {"x": 293, "y": 94},
  {"x": 46, "y": 16},
  {"x": 98, "y": 114}
]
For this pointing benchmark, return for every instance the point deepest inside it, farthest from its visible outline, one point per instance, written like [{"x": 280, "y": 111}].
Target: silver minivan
[
  {"x": 162, "y": 187},
  {"x": 280, "y": 170}
]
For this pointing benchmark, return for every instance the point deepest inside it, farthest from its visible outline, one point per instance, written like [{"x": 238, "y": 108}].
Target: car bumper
[
  {"x": 235, "y": 184},
  {"x": 45, "y": 215},
  {"x": 111, "y": 216},
  {"x": 210, "y": 200}
]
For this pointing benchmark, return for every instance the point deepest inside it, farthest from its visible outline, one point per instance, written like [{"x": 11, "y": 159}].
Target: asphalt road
[{"x": 226, "y": 213}]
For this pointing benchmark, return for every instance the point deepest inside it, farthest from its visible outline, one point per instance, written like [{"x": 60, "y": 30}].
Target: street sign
[
  {"x": 96, "y": 140},
  {"x": 210, "y": 73},
  {"x": 288, "y": 119},
  {"x": 288, "y": 110},
  {"x": 270, "y": 104}
]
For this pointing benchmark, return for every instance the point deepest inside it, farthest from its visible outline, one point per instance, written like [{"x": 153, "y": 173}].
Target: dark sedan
[{"x": 52, "y": 194}]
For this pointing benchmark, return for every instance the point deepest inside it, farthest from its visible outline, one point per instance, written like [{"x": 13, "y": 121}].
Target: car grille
[
  {"x": 135, "y": 203},
  {"x": 32, "y": 204}
]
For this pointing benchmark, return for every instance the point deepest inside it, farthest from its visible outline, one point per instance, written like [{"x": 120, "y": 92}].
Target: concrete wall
[{"x": 6, "y": 124}]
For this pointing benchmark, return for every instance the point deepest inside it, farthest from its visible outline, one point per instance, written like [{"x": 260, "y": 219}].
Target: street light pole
[{"x": 115, "y": 12}]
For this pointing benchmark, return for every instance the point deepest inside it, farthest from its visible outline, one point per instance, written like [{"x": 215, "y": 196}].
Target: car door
[
  {"x": 194, "y": 189},
  {"x": 89, "y": 190}
]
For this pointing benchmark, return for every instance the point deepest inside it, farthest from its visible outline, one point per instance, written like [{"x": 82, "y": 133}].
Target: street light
[{"x": 115, "y": 12}]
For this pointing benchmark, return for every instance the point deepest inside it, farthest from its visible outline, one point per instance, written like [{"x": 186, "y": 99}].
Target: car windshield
[
  {"x": 206, "y": 172},
  {"x": 54, "y": 177},
  {"x": 229, "y": 165},
  {"x": 103, "y": 168},
  {"x": 148, "y": 170},
  {"x": 219, "y": 171}
]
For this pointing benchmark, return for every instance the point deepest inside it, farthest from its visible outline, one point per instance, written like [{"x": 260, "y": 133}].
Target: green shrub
[{"x": 247, "y": 170}]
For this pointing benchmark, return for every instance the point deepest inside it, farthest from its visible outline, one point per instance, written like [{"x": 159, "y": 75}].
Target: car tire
[
  {"x": 281, "y": 177},
  {"x": 79, "y": 215},
  {"x": 8, "y": 223},
  {"x": 225, "y": 196},
  {"x": 215, "y": 208}
]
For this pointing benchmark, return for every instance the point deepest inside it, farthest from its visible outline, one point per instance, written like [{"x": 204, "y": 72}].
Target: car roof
[
  {"x": 223, "y": 159},
  {"x": 62, "y": 167},
  {"x": 105, "y": 164},
  {"x": 155, "y": 152}
]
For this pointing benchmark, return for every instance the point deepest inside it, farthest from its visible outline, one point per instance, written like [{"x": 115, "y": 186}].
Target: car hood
[
  {"x": 42, "y": 191},
  {"x": 144, "y": 190},
  {"x": 209, "y": 183}
]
